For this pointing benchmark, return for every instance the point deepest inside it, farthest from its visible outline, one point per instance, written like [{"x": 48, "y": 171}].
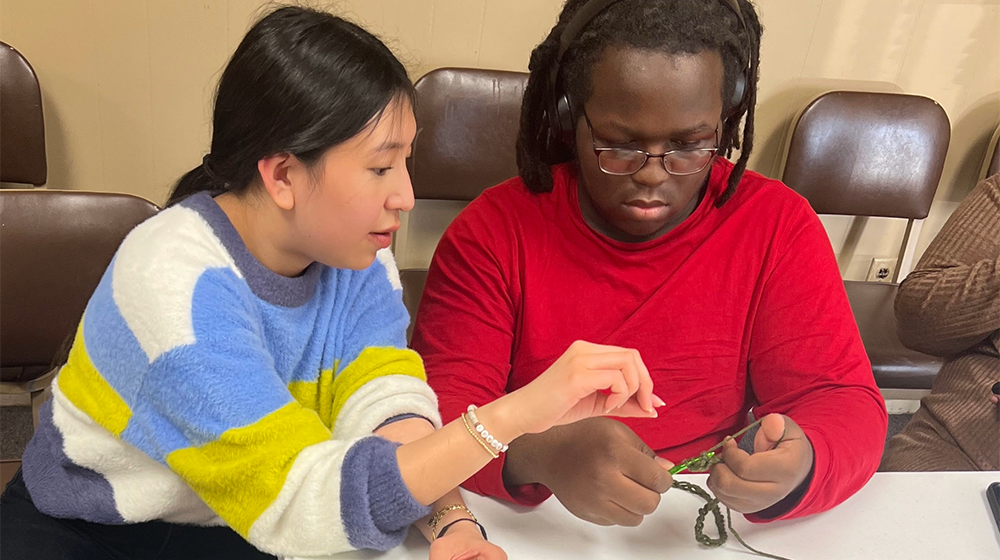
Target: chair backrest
[
  {"x": 868, "y": 154},
  {"x": 56, "y": 246},
  {"x": 467, "y": 122},
  {"x": 22, "y": 128}
]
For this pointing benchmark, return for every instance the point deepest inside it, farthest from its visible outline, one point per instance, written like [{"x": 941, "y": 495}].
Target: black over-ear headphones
[{"x": 562, "y": 125}]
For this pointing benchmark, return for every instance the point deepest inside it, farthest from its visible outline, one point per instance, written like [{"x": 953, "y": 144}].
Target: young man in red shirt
[{"x": 640, "y": 235}]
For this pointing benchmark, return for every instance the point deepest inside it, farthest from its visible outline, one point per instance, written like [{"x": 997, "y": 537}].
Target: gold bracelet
[
  {"x": 477, "y": 437},
  {"x": 433, "y": 521}
]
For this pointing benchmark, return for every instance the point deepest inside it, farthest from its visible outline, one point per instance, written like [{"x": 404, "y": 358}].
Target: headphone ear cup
[
  {"x": 564, "y": 125},
  {"x": 739, "y": 90}
]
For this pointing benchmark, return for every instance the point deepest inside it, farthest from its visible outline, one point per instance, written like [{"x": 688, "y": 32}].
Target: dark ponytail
[
  {"x": 192, "y": 182},
  {"x": 301, "y": 82}
]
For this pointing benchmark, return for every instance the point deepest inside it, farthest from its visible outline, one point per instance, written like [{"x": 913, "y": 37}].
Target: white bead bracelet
[{"x": 484, "y": 433}]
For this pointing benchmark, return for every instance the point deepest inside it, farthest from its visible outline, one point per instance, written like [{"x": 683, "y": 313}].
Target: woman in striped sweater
[{"x": 245, "y": 350}]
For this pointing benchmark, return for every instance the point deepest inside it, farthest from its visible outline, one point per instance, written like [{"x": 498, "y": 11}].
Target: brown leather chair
[
  {"x": 895, "y": 366},
  {"x": 8, "y": 469},
  {"x": 874, "y": 154},
  {"x": 22, "y": 128},
  {"x": 56, "y": 246},
  {"x": 467, "y": 123}
]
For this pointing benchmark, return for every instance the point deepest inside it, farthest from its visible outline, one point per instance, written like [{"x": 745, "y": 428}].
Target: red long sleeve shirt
[{"x": 737, "y": 307}]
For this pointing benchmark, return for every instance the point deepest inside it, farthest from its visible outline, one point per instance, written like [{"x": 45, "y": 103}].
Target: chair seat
[
  {"x": 894, "y": 365},
  {"x": 8, "y": 468}
]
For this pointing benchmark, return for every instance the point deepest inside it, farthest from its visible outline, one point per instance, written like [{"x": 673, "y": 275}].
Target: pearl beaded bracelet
[{"x": 483, "y": 433}]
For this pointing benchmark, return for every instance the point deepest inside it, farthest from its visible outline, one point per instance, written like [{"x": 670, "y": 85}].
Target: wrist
[
  {"x": 447, "y": 514},
  {"x": 467, "y": 526},
  {"x": 789, "y": 502},
  {"x": 528, "y": 458},
  {"x": 463, "y": 527},
  {"x": 453, "y": 515},
  {"x": 500, "y": 417}
]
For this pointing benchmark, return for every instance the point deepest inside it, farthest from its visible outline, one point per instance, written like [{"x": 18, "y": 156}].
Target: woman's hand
[
  {"x": 587, "y": 380},
  {"x": 464, "y": 541}
]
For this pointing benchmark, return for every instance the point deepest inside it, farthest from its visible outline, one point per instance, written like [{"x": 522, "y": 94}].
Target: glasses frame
[{"x": 646, "y": 155}]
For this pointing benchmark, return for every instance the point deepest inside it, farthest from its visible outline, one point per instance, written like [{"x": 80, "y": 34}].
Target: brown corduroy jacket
[{"x": 950, "y": 307}]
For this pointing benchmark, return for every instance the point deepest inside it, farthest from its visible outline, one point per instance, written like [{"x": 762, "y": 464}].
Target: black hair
[
  {"x": 669, "y": 26},
  {"x": 300, "y": 82}
]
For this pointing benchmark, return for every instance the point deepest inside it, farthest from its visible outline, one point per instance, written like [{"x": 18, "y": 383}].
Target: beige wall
[{"x": 127, "y": 83}]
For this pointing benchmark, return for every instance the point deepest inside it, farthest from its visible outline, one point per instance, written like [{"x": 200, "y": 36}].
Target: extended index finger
[
  {"x": 765, "y": 466},
  {"x": 645, "y": 393},
  {"x": 629, "y": 361},
  {"x": 627, "y": 378}
]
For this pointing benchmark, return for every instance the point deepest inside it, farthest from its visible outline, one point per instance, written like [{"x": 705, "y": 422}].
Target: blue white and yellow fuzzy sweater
[{"x": 203, "y": 388}]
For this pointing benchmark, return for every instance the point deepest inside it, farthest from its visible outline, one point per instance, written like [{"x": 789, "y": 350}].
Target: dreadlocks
[{"x": 668, "y": 26}]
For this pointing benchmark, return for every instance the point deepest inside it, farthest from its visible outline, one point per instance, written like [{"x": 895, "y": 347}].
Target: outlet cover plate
[{"x": 882, "y": 270}]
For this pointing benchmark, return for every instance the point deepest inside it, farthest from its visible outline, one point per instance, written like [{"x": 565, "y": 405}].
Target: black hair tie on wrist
[{"x": 448, "y": 526}]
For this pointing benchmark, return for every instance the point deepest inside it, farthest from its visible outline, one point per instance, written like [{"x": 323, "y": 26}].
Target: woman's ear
[{"x": 277, "y": 173}]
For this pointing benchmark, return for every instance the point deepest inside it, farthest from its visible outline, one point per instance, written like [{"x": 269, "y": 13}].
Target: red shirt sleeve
[
  {"x": 806, "y": 361},
  {"x": 466, "y": 325}
]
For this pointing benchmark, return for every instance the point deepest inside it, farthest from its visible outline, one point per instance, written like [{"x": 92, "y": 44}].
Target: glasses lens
[
  {"x": 621, "y": 162},
  {"x": 688, "y": 161}
]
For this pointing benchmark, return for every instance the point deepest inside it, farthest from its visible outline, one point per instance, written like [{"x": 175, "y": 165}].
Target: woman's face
[
  {"x": 654, "y": 102},
  {"x": 352, "y": 208}
]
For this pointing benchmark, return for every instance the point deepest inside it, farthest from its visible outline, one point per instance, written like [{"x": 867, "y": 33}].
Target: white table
[{"x": 905, "y": 516}]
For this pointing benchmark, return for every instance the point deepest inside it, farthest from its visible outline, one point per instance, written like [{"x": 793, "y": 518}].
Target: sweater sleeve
[
  {"x": 465, "y": 327},
  {"x": 806, "y": 361},
  {"x": 171, "y": 359},
  {"x": 377, "y": 377},
  {"x": 952, "y": 300}
]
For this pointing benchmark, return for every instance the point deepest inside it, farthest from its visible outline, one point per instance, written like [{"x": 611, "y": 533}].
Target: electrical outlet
[{"x": 881, "y": 270}]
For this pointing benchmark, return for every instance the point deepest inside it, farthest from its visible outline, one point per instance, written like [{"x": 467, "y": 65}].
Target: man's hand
[
  {"x": 598, "y": 468},
  {"x": 782, "y": 459}
]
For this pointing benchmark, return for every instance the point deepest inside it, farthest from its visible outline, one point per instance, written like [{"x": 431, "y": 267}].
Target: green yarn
[
  {"x": 712, "y": 505},
  {"x": 702, "y": 463}
]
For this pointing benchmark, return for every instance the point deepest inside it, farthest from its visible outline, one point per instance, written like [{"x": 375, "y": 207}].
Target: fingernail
[
  {"x": 665, "y": 463},
  {"x": 657, "y": 401}
]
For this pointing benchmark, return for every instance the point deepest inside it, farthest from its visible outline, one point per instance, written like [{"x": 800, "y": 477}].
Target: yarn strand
[
  {"x": 702, "y": 463},
  {"x": 712, "y": 505}
]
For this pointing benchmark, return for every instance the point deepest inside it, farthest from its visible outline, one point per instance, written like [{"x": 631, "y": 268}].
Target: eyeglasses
[{"x": 627, "y": 161}]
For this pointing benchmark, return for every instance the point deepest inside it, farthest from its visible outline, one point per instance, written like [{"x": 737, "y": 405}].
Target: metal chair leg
[{"x": 37, "y": 398}]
